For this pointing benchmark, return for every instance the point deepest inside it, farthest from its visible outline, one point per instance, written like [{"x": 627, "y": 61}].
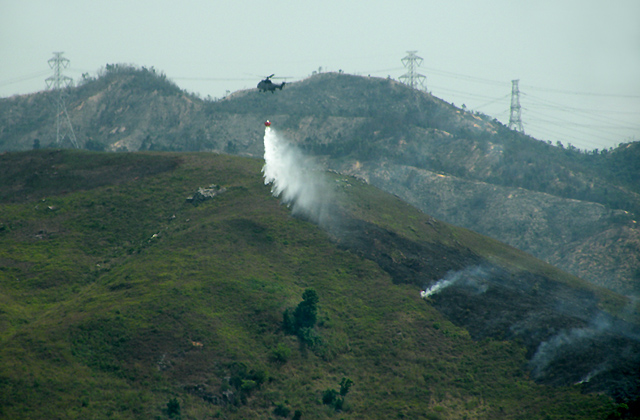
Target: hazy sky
[{"x": 578, "y": 61}]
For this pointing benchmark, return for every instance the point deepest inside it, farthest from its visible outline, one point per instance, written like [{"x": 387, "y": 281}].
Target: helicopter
[{"x": 267, "y": 85}]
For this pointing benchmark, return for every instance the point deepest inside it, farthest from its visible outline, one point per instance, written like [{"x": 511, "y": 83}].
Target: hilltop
[
  {"x": 576, "y": 210},
  {"x": 125, "y": 297}
]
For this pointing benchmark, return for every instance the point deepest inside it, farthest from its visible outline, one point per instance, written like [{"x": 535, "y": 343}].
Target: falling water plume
[{"x": 294, "y": 178}]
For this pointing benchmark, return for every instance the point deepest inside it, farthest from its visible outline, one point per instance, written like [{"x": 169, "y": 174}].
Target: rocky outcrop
[{"x": 204, "y": 194}]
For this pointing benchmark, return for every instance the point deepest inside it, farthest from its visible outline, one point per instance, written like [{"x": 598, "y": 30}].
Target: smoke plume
[
  {"x": 295, "y": 179},
  {"x": 605, "y": 342},
  {"x": 471, "y": 277}
]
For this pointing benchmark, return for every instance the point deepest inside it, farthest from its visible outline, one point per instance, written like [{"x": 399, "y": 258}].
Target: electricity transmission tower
[
  {"x": 412, "y": 78},
  {"x": 515, "y": 117},
  {"x": 58, "y": 82}
]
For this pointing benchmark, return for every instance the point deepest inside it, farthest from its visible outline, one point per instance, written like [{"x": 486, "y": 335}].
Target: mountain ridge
[{"x": 366, "y": 126}]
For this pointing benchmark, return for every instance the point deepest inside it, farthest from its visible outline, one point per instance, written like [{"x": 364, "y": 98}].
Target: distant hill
[
  {"x": 576, "y": 210},
  {"x": 127, "y": 292}
]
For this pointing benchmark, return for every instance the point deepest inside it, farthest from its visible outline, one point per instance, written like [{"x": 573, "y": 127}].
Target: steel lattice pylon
[
  {"x": 412, "y": 77},
  {"x": 515, "y": 117},
  {"x": 58, "y": 83}
]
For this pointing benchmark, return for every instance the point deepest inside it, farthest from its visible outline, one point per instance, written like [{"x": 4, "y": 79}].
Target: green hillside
[
  {"x": 576, "y": 210},
  {"x": 119, "y": 298}
]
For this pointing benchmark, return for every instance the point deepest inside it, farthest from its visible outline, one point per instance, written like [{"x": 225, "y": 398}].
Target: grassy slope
[{"x": 110, "y": 306}]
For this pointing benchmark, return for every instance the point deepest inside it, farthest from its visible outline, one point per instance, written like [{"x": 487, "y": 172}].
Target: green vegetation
[
  {"x": 173, "y": 408},
  {"x": 335, "y": 399},
  {"x": 119, "y": 299},
  {"x": 302, "y": 320}
]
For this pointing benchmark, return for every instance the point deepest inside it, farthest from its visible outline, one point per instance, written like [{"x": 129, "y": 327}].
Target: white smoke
[
  {"x": 560, "y": 345},
  {"x": 441, "y": 284},
  {"x": 295, "y": 179},
  {"x": 471, "y": 277},
  {"x": 592, "y": 374},
  {"x": 569, "y": 342}
]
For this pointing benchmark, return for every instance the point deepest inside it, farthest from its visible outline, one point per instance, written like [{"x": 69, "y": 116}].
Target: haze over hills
[
  {"x": 171, "y": 285},
  {"x": 576, "y": 210}
]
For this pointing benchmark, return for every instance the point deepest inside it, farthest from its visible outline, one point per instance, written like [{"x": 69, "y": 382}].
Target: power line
[
  {"x": 465, "y": 94},
  {"x": 569, "y": 92},
  {"x": 590, "y": 122},
  {"x": 466, "y": 77},
  {"x": 565, "y": 137},
  {"x": 380, "y": 71},
  {"x": 592, "y": 114},
  {"x": 491, "y": 102},
  {"x": 569, "y": 129},
  {"x": 585, "y": 129},
  {"x": 212, "y": 79},
  {"x": 589, "y": 140},
  {"x": 565, "y": 123},
  {"x": 502, "y": 83},
  {"x": 23, "y": 78}
]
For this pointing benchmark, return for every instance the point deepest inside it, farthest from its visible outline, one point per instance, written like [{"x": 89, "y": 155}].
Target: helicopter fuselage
[{"x": 267, "y": 85}]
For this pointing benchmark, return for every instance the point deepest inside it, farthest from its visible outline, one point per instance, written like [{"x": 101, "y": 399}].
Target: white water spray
[{"x": 294, "y": 178}]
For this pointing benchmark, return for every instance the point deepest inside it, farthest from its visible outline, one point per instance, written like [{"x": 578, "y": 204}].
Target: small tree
[
  {"x": 334, "y": 399},
  {"x": 307, "y": 311},
  {"x": 173, "y": 408},
  {"x": 281, "y": 353},
  {"x": 329, "y": 396},
  {"x": 304, "y": 317},
  {"x": 289, "y": 322},
  {"x": 281, "y": 410},
  {"x": 345, "y": 384}
]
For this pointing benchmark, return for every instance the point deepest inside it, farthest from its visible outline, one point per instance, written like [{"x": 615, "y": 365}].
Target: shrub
[
  {"x": 307, "y": 311},
  {"x": 345, "y": 384},
  {"x": 281, "y": 353},
  {"x": 281, "y": 410},
  {"x": 309, "y": 336},
  {"x": 329, "y": 396},
  {"x": 244, "y": 381},
  {"x": 302, "y": 320},
  {"x": 288, "y": 322},
  {"x": 173, "y": 408},
  {"x": 333, "y": 398},
  {"x": 248, "y": 385}
]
